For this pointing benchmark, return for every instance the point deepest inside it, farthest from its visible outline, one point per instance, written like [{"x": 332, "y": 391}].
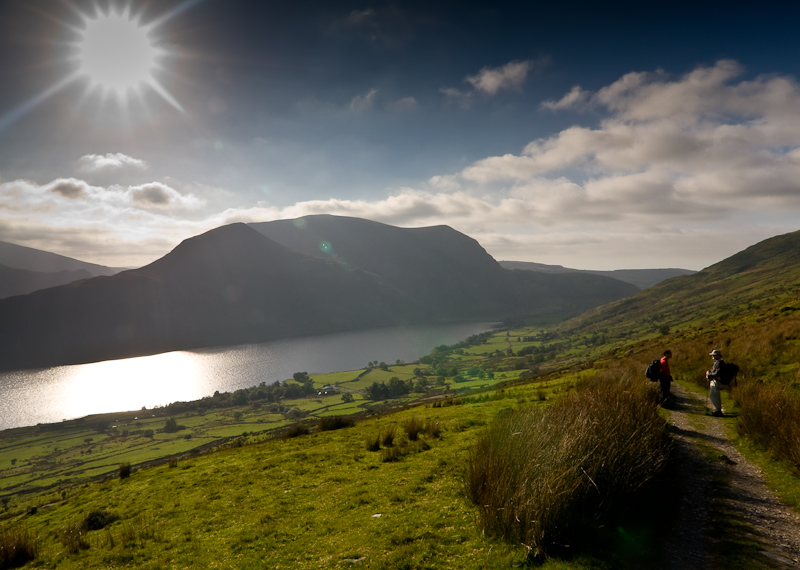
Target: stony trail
[{"x": 723, "y": 493}]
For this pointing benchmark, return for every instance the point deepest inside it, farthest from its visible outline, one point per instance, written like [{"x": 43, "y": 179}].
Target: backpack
[
  {"x": 653, "y": 370},
  {"x": 727, "y": 373}
]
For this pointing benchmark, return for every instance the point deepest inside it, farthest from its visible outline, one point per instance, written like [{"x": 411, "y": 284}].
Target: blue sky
[{"x": 586, "y": 135}]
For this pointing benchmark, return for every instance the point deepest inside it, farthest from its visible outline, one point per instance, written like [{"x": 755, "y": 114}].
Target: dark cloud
[{"x": 69, "y": 189}]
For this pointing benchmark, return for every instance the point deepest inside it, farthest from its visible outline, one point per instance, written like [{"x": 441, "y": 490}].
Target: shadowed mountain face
[
  {"x": 234, "y": 285},
  {"x": 20, "y": 281},
  {"x": 448, "y": 274}
]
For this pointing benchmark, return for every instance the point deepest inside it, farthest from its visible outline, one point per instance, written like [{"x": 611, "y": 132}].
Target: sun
[{"x": 119, "y": 55}]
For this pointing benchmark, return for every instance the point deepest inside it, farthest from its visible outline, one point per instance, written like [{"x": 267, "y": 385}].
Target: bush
[
  {"x": 335, "y": 422},
  {"x": 295, "y": 431},
  {"x": 171, "y": 425},
  {"x": 556, "y": 475},
  {"x": 124, "y": 470},
  {"x": 98, "y": 519},
  {"x": 16, "y": 547}
]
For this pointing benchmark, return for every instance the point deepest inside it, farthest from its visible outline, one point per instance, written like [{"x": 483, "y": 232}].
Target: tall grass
[
  {"x": 770, "y": 416},
  {"x": 17, "y": 547},
  {"x": 544, "y": 476}
]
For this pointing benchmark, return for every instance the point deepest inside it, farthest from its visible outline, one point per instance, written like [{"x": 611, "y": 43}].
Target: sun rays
[
  {"x": 121, "y": 56},
  {"x": 116, "y": 55}
]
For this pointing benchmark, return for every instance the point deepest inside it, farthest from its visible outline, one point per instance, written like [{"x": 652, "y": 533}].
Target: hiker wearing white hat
[{"x": 712, "y": 376}]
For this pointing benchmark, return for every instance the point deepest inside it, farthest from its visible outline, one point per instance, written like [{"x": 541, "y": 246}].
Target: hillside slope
[{"x": 760, "y": 277}]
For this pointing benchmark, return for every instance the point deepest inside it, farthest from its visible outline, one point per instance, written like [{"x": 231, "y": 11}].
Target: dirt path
[{"x": 726, "y": 504}]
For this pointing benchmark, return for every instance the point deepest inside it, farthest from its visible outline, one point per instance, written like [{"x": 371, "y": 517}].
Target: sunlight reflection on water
[{"x": 29, "y": 397}]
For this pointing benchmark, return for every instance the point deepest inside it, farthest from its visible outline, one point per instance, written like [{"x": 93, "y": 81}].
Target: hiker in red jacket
[{"x": 665, "y": 377}]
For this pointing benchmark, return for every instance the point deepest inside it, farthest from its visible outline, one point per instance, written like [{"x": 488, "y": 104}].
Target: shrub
[
  {"x": 16, "y": 547},
  {"x": 98, "y": 519},
  {"x": 124, "y": 470},
  {"x": 295, "y": 431},
  {"x": 556, "y": 475},
  {"x": 335, "y": 422}
]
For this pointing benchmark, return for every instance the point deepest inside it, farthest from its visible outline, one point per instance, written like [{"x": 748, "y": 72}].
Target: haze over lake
[{"x": 30, "y": 397}]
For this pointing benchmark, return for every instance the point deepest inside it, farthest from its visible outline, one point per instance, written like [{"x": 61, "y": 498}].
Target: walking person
[
  {"x": 665, "y": 376},
  {"x": 713, "y": 377}
]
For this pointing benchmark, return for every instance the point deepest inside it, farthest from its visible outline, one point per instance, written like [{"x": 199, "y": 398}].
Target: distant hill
[
  {"x": 21, "y": 281},
  {"x": 234, "y": 285},
  {"x": 30, "y": 259},
  {"x": 24, "y": 270},
  {"x": 642, "y": 278}
]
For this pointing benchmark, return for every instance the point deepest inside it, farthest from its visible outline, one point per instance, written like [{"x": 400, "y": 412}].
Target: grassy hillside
[{"x": 391, "y": 491}]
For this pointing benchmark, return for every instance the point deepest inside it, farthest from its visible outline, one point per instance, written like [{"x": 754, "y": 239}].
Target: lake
[{"x": 49, "y": 395}]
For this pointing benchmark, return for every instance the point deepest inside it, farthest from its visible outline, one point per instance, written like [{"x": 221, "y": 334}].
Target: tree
[
  {"x": 301, "y": 377},
  {"x": 347, "y": 397},
  {"x": 171, "y": 425}
]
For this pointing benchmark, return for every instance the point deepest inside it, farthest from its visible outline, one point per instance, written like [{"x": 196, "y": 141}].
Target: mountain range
[
  {"x": 25, "y": 269},
  {"x": 642, "y": 278},
  {"x": 315, "y": 275}
]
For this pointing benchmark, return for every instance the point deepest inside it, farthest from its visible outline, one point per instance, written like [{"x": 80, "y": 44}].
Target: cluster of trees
[
  {"x": 394, "y": 389},
  {"x": 263, "y": 393}
]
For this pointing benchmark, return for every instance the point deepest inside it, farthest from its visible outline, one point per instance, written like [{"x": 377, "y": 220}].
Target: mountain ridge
[
  {"x": 642, "y": 278},
  {"x": 233, "y": 285}
]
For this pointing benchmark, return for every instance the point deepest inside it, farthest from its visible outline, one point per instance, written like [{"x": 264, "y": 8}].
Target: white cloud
[
  {"x": 361, "y": 103},
  {"x": 576, "y": 97},
  {"x": 489, "y": 81},
  {"x": 404, "y": 104},
  {"x": 492, "y": 80},
  {"x": 114, "y": 225},
  {"x": 109, "y": 162}
]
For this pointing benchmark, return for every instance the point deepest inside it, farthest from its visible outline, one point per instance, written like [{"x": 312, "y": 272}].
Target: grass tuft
[
  {"x": 544, "y": 476},
  {"x": 16, "y": 547}
]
